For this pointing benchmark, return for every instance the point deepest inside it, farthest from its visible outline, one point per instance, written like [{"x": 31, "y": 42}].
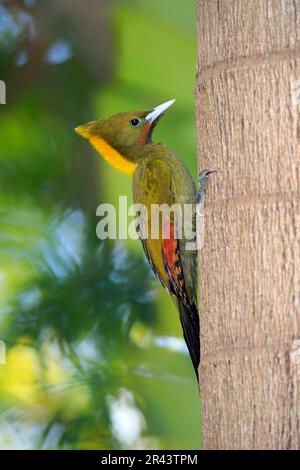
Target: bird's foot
[{"x": 203, "y": 180}]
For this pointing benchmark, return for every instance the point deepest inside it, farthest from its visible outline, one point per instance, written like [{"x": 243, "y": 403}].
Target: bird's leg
[
  {"x": 202, "y": 180},
  {"x": 200, "y": 200}
]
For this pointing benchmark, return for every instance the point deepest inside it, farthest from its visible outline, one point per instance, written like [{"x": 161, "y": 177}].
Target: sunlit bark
[{"x": 248, "y": 105}]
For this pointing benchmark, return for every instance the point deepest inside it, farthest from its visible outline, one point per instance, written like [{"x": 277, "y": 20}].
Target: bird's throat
[{"x": 112, "y": 156}]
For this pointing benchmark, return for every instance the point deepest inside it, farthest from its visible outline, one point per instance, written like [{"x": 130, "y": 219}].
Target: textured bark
[{"x": 248, "y": 119}]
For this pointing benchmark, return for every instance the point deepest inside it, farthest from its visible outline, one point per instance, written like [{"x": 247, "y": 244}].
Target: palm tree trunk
[{"x": 248, "y": 120}]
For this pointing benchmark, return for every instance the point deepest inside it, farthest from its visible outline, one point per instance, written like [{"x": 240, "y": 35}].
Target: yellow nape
[{"x": 111, "y": 155}]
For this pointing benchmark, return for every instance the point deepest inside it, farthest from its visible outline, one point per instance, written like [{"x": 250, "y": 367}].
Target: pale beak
[{"x": 158, "y": 111}]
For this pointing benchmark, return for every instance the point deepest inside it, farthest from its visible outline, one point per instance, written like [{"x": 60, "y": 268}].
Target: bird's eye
[{"x": 135, "y": 122}]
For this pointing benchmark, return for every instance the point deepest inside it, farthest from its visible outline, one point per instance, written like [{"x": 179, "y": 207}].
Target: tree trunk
[{"x": 248, "y": 119}]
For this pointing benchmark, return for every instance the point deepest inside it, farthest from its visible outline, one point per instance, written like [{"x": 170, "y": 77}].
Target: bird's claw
[
  {"x": 203, "y": 176},
  {"x": 202, "y": 180}
]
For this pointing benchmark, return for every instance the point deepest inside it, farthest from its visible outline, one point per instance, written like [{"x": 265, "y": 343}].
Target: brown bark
[{"x": 248, "y": 117}]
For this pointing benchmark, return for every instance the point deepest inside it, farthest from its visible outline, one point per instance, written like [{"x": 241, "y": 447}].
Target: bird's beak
[{"x": 157, "y": 112}]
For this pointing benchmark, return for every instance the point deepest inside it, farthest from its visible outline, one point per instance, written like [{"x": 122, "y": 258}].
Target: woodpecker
[{"x": 158, "y": 177}]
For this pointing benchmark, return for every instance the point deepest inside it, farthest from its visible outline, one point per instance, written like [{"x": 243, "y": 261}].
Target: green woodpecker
[{"x": 159, "y": 177}]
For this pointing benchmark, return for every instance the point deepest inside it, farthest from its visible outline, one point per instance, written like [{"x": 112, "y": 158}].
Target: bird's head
[{"x": 117, "y": 138}]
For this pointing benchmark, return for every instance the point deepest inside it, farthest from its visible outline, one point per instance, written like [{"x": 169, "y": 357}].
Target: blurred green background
[{"x": 94, "y": 351}]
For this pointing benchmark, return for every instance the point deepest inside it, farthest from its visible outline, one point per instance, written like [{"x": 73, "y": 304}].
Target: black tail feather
[{"x": 189, "y": 318}]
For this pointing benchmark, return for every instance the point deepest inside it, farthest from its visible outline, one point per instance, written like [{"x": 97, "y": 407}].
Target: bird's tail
[{"x": 189, "y": 318}]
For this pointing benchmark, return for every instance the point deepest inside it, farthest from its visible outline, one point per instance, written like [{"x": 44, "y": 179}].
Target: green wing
[{"x": 153, "y": 184}]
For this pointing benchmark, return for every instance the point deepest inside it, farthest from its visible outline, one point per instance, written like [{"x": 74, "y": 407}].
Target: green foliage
[{"x": 84, "y": 322}]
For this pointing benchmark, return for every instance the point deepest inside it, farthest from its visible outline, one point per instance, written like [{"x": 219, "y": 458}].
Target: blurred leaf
[{"x": 88, "y": 330}]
